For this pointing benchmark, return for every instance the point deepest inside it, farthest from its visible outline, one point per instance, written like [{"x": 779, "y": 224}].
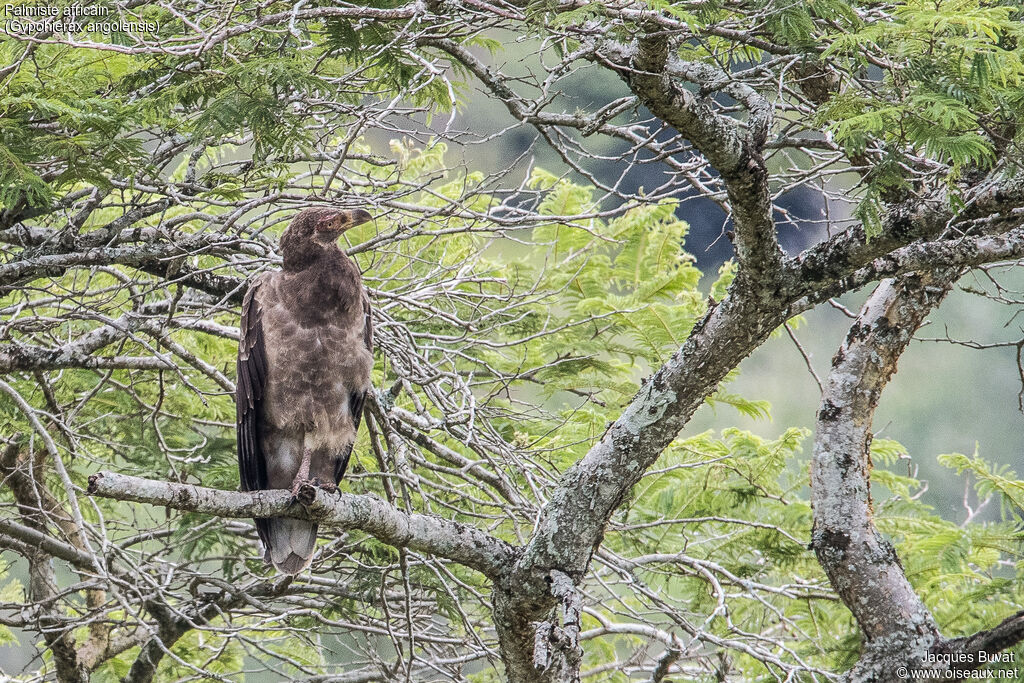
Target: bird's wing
[
  {"x": 358, "y": 399},
  {"x": 367, "y": 324},
  {"x": 249, "y": 391}
]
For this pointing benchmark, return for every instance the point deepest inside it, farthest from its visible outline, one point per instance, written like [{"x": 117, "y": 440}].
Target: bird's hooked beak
[{"x": 343, "y": 220}]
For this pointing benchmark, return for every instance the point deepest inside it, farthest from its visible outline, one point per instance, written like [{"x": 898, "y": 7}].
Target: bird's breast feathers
[{"x": 313, "y": 370}]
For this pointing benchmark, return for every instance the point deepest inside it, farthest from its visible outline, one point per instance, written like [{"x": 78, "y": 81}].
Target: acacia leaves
[
  {"x": 949, "y": 93},
  {"x": 948, "y": 562},
  {"x": 56, "y": 135}
]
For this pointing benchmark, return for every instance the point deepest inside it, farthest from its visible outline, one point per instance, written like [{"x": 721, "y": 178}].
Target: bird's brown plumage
[{"x": 304, "y": 360}]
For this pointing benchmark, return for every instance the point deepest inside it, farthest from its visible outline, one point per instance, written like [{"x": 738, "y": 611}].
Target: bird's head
[{"x": 315, "y": 230}]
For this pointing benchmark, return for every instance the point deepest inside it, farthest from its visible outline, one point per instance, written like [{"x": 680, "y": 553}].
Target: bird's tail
[{"x": 290, "y": 543}]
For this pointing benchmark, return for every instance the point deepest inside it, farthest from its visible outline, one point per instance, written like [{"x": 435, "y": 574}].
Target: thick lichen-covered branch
[{"x": 861, "y": 564}]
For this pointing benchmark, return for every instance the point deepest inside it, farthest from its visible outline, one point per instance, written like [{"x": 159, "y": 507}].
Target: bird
[{"x": 305, "y": 356}]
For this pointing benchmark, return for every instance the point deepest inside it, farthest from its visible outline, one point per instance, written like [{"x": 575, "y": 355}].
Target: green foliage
[
  {"x": 65, "y": 120},
  {"x": 948, "y": 563},
  {"x": 601, "y": 303},
  {"x": 597, "y": 305},
  {"x": 991, "y": 480},
  {"x": 371, "y": 47},
  {"x": 220, "y": 656},
  {"x": 12, "y": 592},
  {"x": 954, "y": 75}
]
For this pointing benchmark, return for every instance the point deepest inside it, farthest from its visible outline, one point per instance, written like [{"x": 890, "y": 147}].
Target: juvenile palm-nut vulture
[{"x": 304, "y": 361}]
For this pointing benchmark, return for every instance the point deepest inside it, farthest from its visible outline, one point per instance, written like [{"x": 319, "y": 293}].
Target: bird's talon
[{"x": 304, "y": 491}]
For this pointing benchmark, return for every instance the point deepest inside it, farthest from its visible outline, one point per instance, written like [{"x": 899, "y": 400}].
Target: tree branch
[
  {"x": 573, "y": 520},
  {"x": 910, "y": 234},
  {"x": 46, "y": 543},
  {"x": 955, "y": 253},
  {"x": 651, "y": 71},
  {"x": 861, "y": 565},
  {"x": 160, "y": 259},
  {"x": 432, "y": 535},
  {"x": 1007, "y": 634}
]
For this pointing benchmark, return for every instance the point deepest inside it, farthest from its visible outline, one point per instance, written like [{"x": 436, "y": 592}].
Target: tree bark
[{"x": 863, "y": 567}]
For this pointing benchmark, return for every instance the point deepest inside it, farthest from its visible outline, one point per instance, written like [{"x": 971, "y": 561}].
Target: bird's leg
[{"x": 302, "y": 476}]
